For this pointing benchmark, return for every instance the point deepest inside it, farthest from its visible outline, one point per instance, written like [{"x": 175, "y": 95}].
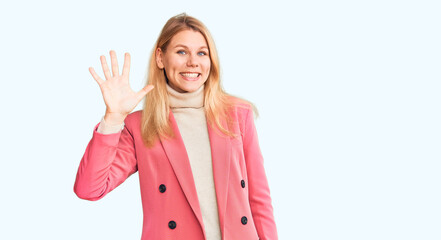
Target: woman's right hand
[{"x": 119, "y": 98}]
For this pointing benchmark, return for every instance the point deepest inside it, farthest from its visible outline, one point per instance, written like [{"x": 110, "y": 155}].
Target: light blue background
[{"x": 348, "y": 93}]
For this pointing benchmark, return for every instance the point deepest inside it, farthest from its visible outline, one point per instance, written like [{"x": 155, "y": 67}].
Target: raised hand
[{"x": 119, "y": 98}]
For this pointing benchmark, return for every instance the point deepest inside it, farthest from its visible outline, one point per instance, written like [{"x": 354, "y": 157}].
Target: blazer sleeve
[
  {"x": 259, "y": 193},
  {"x": 108, "y": 161}
]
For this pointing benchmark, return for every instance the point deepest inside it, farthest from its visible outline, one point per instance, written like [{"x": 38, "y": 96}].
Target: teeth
[{"x": 190, "y": 75}]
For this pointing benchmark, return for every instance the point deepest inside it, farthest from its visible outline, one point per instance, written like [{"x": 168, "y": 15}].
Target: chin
[{"x": 191, "y": 87}]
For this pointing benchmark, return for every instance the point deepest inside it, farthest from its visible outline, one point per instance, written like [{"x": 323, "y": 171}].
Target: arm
[
  {"x": 110, "y": 155},
  {"x": 259, "y": 193},
  {"x": 108, "y": 161},
  {"x": 105, "y": 128}
]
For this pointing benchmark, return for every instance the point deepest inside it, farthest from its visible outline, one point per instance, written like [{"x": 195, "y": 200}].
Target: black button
[
  {"x": 162, "y": 188},
  {"x": 244, "y": 220},
  {"x": 172, "y": 224},
  {"x": 242, "y": 183}
]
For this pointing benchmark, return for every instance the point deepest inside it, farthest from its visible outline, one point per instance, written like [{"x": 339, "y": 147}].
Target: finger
[
  {"x": 95, "y": 76},
  {"x": 114, "y": 62},
  {"x": 105, "y": 67},
  {"x": 126, "y": 67},
  {"x": 141, "y": 94}
]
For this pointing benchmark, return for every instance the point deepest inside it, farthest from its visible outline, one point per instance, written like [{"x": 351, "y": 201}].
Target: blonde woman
[{"x": 194, "y": 146}]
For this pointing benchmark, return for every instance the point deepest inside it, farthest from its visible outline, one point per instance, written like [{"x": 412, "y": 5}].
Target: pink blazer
[{"x": 169, "y": 199}]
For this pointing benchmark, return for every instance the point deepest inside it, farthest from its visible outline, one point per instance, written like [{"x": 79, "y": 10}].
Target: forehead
[{"x": 189, "y": 38}]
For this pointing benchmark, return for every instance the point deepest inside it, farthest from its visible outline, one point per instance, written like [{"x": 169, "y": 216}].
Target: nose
[{"x": 192, "y": 61}]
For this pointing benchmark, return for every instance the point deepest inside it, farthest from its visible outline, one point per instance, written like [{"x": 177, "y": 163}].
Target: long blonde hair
[{"x": 155, "y": 115}]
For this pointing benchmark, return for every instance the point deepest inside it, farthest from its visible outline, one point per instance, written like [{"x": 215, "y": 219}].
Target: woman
[{"x": 195, "y": 147}]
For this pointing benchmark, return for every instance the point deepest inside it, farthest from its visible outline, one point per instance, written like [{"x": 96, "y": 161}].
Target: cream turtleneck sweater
[{"x": 189, "y": 113}]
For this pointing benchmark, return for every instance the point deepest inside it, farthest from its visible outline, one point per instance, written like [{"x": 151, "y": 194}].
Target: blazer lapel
[
  {"x": 220, "y": 155},
  {"x": 178, "y": 157}
]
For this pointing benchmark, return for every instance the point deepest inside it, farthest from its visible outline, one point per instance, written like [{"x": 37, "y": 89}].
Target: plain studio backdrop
[{"x": 348, "y": 93}]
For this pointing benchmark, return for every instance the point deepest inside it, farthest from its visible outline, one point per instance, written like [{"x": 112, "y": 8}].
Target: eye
[
  {"x": 202, "y": 53},
  {"x": 180, "y": 52}
]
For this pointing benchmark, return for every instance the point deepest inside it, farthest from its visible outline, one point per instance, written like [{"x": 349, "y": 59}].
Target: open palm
[{"x": 119, "y": 98}]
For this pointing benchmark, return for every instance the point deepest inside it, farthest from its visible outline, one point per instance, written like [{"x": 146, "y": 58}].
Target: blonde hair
[{"x": 155, "y": 114}]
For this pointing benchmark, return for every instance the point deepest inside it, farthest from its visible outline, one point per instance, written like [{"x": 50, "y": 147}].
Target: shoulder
[
  {"x": 133, "y": 120},
  {"x": 134, "y": 116},
  {"x": 240, "y": 114},
  {"x": 240, "y": 108}
]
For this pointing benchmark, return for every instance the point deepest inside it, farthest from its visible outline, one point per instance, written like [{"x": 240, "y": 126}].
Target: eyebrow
[{"x": 181, "y": 45}]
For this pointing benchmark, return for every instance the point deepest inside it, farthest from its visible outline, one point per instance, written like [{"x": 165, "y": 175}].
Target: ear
[{"x": 159, "y": 56}]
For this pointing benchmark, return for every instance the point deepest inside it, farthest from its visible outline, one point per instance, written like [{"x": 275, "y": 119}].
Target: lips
[{"x": 190, "y": 76}]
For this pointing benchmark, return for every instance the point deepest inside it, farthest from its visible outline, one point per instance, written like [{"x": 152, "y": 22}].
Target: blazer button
[
  {"x": 172, "y": 224},
  {"x": 244, "y": 220},
  {"x": 242, "y": 183},
  {"x": 162, "y": 188}
]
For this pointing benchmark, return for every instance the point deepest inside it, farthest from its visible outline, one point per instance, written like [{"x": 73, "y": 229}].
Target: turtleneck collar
[{"x": 186, "y": 100}]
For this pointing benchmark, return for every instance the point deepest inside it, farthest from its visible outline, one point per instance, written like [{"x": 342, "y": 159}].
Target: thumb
[{"x": 141, "y": 94}]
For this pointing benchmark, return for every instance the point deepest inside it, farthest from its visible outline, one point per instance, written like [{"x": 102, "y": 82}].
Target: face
[{"x": 186, "y": 61}]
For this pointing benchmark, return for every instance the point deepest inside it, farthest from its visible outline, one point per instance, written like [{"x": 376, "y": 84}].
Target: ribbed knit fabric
[
  {"x": 105, "y": 128},
  {"x": 188, "y": 110}
]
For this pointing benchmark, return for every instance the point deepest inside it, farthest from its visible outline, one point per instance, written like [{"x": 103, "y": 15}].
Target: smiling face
[{"x": 186, "y": 61}]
